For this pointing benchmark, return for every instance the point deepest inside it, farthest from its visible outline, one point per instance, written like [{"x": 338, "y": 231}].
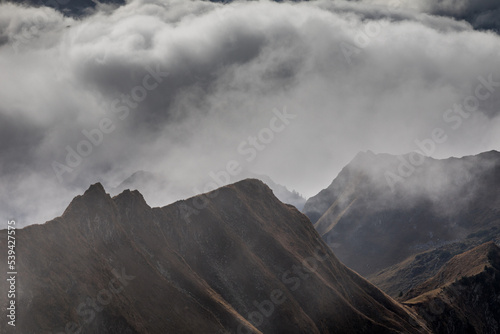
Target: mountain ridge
[
  {"x": 245, "y": 262},
  {"x": 464, "y": 296},
  {"x": 372, "y": 228}
]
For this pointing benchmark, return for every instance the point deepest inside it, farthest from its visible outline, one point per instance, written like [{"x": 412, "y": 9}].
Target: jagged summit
[
  {"x": 130, "y": 197},
  {"x": 97, "y": 195},
  {"x": 235, "y": 260},
  {"x": 95, "y": 188}
]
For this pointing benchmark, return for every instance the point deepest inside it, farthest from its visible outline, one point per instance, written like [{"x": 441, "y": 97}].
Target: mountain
[
  {"x": 464, "y": 296},
  {"x": 280, "y": 191},
  {"x": 154, "y": 186},
  {"x": 383, "y": 209},
  {"x": 235, "y": 260},
  {"x": 416, "y": 269}
]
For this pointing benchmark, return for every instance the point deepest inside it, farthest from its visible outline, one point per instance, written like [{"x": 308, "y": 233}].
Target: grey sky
[{"x": 354, "y": 76}]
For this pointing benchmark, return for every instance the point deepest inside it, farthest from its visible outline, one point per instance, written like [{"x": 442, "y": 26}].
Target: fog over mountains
[
  {"x": 182, "y": 88},
  {"x": 191, "y": 166},
  {"x": 382, "y": 209},
  {"x": 154, "y": 187},
  {"x": 238, "y": 260}
]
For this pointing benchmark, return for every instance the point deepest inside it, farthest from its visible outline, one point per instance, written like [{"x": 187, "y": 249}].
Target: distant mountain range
[
  {"x": 381, "y": 209},
  {"x": 238, "y": 260},
  {"x": 403, "y": 221}
]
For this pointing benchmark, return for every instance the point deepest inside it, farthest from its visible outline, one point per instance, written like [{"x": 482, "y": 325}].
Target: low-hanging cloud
[
  {"x": 482, "y": 14},
  {"x": 356, "y": 75}
]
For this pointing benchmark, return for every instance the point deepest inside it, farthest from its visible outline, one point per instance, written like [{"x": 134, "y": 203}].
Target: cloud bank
[
  {"x": 482, "y": 14},
  {"x": 182, "y": 88}
]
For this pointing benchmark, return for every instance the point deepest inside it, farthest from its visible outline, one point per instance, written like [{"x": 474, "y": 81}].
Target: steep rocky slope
[
  {"x": 464, "y": 296},
  {"x": 235, "y": 260}
]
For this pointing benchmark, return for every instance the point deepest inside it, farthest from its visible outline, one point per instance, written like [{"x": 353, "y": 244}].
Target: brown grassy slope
[
  {"x": 464, "y": 296},
  {"x": 400, "y": 278},
  {"x": 203, "y": 274},
  {"x": 467, "y": 264}
]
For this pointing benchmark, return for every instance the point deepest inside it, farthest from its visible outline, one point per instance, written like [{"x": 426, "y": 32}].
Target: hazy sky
[{"x": 182, "y": 88}]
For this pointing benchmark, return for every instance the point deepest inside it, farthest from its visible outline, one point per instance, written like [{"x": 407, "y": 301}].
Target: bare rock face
[{"x": 235, "y": 260}]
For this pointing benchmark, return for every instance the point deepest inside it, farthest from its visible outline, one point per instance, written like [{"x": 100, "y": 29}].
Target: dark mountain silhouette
[
  {"x": 235, "y": 260},
  {"x": 382, "y": 210}
]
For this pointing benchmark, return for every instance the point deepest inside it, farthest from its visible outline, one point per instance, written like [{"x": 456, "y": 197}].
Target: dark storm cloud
[{"x": 177, "y": 87}]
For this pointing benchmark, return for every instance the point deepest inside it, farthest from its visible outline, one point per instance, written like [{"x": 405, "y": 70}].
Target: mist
[{"x": 190, "y": 89}]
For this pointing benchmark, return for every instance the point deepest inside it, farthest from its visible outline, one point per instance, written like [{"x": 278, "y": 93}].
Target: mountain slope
[
  {"x": 464, "y": 296},
  {"x": 416, "y": 269},
  {"x": 158, "y": 188},
  {"x": 382, "y": 209},
  {"x": 235, "y": 260}
]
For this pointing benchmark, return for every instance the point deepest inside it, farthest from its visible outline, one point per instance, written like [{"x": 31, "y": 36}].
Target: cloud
[
  {"x": 482, "y": 14},
  {"x": 183, "y": 84}
]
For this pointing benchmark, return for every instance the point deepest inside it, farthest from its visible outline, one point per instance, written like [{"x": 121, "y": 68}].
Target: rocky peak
[
  {"x": 253, "y": 187},
  {"x": 95, "y": 197},
  {"x": 95, "y": 189},
  {"x": 240, "y": 255},
  {"x": 130, "y": 198}
]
